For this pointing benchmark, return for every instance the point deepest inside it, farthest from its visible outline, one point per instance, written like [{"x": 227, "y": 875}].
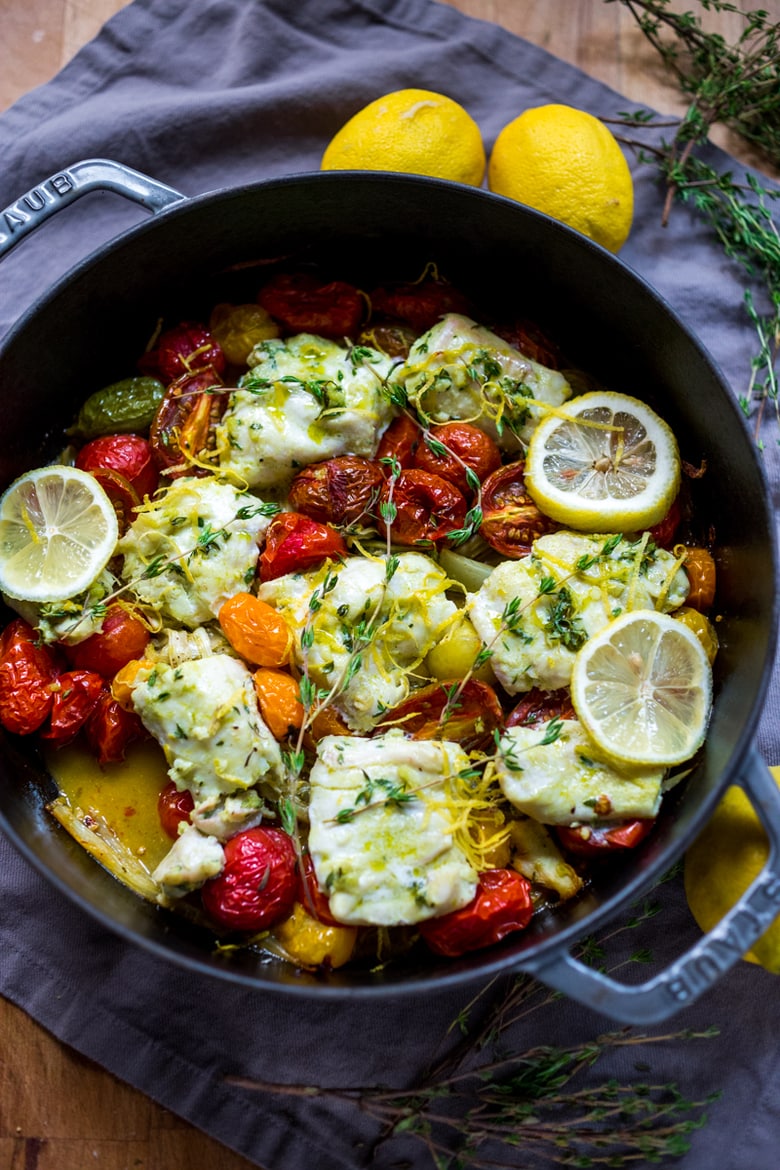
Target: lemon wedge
[
  {"x": 642, "y": 688},
  {"x": 58, "y": 529},
  {"x": 603, "y": 463}
]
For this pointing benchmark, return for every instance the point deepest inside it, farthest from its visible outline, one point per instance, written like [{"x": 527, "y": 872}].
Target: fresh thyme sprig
[{"x": 736, "y": 85}]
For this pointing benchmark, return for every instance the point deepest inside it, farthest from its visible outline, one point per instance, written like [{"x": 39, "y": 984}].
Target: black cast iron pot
[{"x": 86, "y": 332}]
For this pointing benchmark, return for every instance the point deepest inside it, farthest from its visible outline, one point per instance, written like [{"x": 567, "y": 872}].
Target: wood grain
[{"x": 58, "y": 1111}]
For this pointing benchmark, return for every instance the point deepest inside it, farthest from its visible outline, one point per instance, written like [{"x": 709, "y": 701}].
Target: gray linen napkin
[{"x": 204, "y": 94}]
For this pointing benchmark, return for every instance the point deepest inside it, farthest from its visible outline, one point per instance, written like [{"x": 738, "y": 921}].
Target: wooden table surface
[{"x": 59, "y": 1111}]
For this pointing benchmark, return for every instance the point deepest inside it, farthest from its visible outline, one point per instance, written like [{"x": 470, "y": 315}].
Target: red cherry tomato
[
  {"x": 27, "y": 672},
  {"x": 426, "y": 507},
  {"x": 130, "y": 455},
  {"x": 528, "y": 339},
  {"x": 75, "y": 695},
  {"x": 294, "y": 543},
  {"x": 339, "y": 491},
  {"x": 474, "y": 714},
  {"x": 399, "y": 442},
  {"x": 539, "y": 706},
  {"x": 111, "y": 729},
  {"x": 664, "y": 532},
  {"x": 121, "y": 493},
  {"x": 258, "y": 885},
  {"x": 420, "y": 305},
  {"x": 183, "y": 350},
  {"x": 184, "y": 426},
  {"x": 310, "y": 895},
  {"x": 464, "y": 444},
  {"x": 121, "y": 639},
  {"x": 511, "y": 521},
  {"x": 501, "y": 905},
  {"x": 586, "y": 841},
  {"x": 302, "y": 303},
  {"x": 174, "y": 808}
]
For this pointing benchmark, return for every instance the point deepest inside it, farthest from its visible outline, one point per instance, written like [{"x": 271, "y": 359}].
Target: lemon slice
[
  {"x": 58, "y": 529},
  {"x": 603, "y": 463},
  {"x": 642, "y": 688}
]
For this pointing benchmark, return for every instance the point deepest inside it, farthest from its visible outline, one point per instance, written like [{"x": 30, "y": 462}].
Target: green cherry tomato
[{"x": 121, "y": 408}]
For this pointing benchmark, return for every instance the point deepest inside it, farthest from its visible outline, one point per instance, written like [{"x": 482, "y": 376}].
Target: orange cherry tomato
[
  {"x": 328, "y": 722},
  {"x": 256, "y": 630},
  {"x": 539, "y": 706},
  {"x": 502, "y": 905},
  {"x": 303, "y": 303},
  {"x": 339, "y": 491},
  {"x": 121, "y": 638},
  {"x": 278, "y": 698},
  {"x": 399, "y": 442},
  {"x": 111, "y": 729},
  {"x": 295, "y": 543},
  {"x": 419, "y": 304},
  {"x": 464, "y": 444},
  {"x": 184, "y": 427},
  {"x": 586, "y": 841},
  {"x": 258, "y": 884},
  {"x": 129, "y": 455},
  {"x": 27, "y": 673},
  {"x": 427, "y": 508},
  {"x": 174, "y": 808},
  {"x": 473, "y": 716},
  {"x": 511, "y": 521},
  {"x": 310, "y": 895},
  {"x": 75, "y": 694},
  {"x": 700, "y": 568}
]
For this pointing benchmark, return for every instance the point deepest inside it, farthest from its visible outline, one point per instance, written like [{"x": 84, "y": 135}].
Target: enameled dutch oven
[{"x": 86, "y": 333}]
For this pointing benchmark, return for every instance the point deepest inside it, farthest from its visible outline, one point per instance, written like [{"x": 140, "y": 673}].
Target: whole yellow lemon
[
  {"x": 722, "y": 862},
  {"x": 566, "y": 163},
  {"x": 415, "y": 131}
]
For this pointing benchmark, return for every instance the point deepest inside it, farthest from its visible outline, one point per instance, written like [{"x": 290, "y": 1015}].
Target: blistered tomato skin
[
  {"x": 75, "y": 695},
  {"x": 700, "y": 568},
  {"x": 664, "y": 532},
  {"x": 27, "y": 672},
  {"x": 419, "y": 305},
  {"x": 537, "y": 706},
  {"x": 502, "y": 905},
  {"x": 184, "y": 427},
  {"x": 256, "y": 630},
  {"x": 184, "y": 349},
  {"x": 465, "y": 445},
  {"x": 426, "y": 507},
  {"x": 586, "y": 841},
  {"x": 174, "y": 808},
  {"x": 121, "y": 639},
  {"x": 258, "y": 885},
  {"x": 475, "y": 714},
  {"x": 511, "y": 521},
  {"x": 295, "y": 543},
  {"x": 130, "y": 455},
  {"x": 399, "y": 443},
  {"x": 310, "y": 895},
  {"x": 111, "y": 729},
  {"x": 302, "y": 303},
  {"x": 339, "y": 491}
]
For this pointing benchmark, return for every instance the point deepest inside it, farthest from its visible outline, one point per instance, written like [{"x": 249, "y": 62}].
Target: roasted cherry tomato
[
  {"x": 310, "y": 895},
  {"x": 239, "y": 328},
  {"x": 27, "y": 672},
  {"x": 339, "y": 491},
  {"x": 121, "y": 493},
  {"x": 395, "y": 339},
  {"x": 258, "y": 884},
  {"x": 426, "y": 507},
  {"x": 448, "y": 450},
  {"x": 529, "y": 340},
  {"x": 586, "y": 841},
  {"x": 294, "y": 543},
  {"x": 539, "y": 706},
  {"x": 174, "y": 808},
  {"x": 302, "y": 303},
  {"x": 511, "y": 521},
  {"x": 111, "y": 729},
  {"x": 420, "y": 305},
  {"x": 184, "y": 427},
  {"x": 473, "y": 715},
  {"x": 700, "y": 568},
  {"x": 278, "y": 697},
  {"x": 75, "y": 694},
  {"x": 399, "y": 442},
  {"x": 183, "y": 350},
  {"x": 121, "y": 638},
  {"x": 255, "y": 630},
  {"x": 501, "y": 905},
  {"x": 664, "y": 532},
  {"x": 130, "y": 455}
]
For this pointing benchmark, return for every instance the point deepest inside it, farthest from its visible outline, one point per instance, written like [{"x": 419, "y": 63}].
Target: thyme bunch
[{"x": 736, "y": 85}]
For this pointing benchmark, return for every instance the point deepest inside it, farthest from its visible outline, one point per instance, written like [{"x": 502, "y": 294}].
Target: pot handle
[
  {"x": 703, "y": 964},
  {"x": 62, "y": 188}
]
